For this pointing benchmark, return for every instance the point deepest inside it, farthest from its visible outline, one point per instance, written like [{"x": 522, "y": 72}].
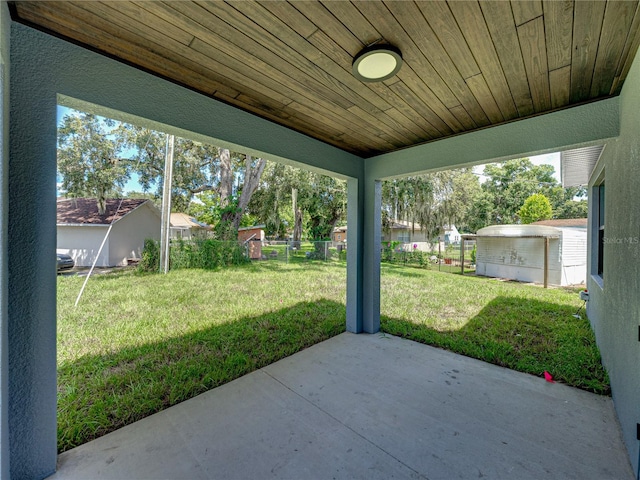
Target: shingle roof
[
  {"x": 85, "y": 210},
  {"x": 563, "y": 222},
  {"x": 185, "y": 221}
]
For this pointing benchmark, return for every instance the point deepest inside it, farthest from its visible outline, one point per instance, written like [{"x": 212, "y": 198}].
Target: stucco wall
[
  {"x": 614, "y": 307},
  {"x": 32, "y": 273},
  {"x": 82, "y": 243},
  {"x": 130, "y": 232},
  {"x": 5, "y": 30}
]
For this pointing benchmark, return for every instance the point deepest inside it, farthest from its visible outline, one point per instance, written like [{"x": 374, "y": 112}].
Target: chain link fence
[
  {"x": 289, "y": 251},
  {"x": 441, "y": 257}
]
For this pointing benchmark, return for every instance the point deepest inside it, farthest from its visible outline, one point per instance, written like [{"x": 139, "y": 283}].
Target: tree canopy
[
  {"x": 459, "y": 197},
  {"x": 88, "y": 158}
]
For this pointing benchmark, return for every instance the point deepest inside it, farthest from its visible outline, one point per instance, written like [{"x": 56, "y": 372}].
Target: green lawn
[
  {"x": 139, "y": 343},
  {"x": 522, "y": 327}
]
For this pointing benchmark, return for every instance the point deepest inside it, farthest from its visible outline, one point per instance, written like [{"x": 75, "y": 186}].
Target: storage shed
[
  {"x": 533, "y": 253},
  {"x": 254, "y": 237}
]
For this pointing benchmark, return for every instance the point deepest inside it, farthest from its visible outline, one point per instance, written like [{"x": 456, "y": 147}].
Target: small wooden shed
[
  {"x": 533, "y": 253},
  {"x": 254, "y": 237}
]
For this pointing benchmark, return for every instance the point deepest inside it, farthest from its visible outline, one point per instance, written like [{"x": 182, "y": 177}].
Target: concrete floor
[{"x": 368, "y": 406}]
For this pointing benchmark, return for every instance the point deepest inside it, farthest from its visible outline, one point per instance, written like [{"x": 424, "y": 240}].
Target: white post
[{"x": 166, "y": 206}]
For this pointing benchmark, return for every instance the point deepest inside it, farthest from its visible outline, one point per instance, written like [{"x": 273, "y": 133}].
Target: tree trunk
[
  {"x": 252, "y": 176},
  {"x": 297, "y": 218},
  {"x": 226, "y": 178}
]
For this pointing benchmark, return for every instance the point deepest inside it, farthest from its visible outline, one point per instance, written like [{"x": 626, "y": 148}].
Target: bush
[
  {"x": 207, "y": 254},
  {"x": 150, "y": 261},
  {"x": 202, "y": 253}
]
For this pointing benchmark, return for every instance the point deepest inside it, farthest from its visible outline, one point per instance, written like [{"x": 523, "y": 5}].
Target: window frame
[{"x": 598, "y": 230}]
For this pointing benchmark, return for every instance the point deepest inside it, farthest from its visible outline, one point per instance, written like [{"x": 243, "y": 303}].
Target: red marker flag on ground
[{"x": 548, "y": 377}]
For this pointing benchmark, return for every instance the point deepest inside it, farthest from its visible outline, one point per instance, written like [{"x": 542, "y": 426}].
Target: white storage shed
[{"x": 555, "y": 255}]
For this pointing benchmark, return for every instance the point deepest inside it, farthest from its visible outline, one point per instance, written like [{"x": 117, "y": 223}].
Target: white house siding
[
  {"x": 82, "y": 243},
  {"x": 129, "y": 233},
  {"x": 405, "y": 236}
]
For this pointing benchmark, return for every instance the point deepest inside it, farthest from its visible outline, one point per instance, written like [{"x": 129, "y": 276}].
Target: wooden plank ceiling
[{"x": 467, "y": 65}]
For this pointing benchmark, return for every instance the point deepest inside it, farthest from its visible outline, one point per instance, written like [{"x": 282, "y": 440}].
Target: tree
[
  {"x": 290, "y": 200},
  {"x": 195, "y": 166},
  {"x": 88, "y": 158},
  {"x": 536, "y": 207},
  {"x": 236, "y": 205},
  {"x": 510, "y": 183},
  {"x": 431, "y": 200}
]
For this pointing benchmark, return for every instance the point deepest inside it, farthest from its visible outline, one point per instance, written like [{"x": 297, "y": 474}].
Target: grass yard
[
  {"x": 522, "y": 327},
  {"x": 137, "y": 344}
]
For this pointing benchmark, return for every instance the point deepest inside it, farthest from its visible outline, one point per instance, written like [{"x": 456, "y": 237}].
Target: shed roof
[
  {"x": 253, "y": 227},
  {"x": 84, "y": 211},
  {"x": 519, "y": 231}
]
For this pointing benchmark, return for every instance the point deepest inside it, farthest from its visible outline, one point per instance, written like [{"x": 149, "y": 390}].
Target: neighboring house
[
  {"x": 186, "y": 227},
  {"x": 517, "y": 252},
  {"x": 564, "y": 223},
  {"x": 81, "y": 230},
  {"x": 449, "y": 235},
  {"x": 404, "y": 232}
]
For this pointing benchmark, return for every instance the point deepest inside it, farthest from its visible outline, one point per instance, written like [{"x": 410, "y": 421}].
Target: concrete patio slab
[{"x": 368, "y": 406}]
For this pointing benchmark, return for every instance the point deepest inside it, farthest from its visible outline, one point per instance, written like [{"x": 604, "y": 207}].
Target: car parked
[{"x": 65, "y": 262}]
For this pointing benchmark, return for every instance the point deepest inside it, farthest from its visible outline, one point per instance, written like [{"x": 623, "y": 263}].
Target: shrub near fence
[{"x": 202, "y": 253}]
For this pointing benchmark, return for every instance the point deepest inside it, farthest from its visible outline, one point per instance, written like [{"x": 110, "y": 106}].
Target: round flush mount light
[{"x": 377, "y": 63}]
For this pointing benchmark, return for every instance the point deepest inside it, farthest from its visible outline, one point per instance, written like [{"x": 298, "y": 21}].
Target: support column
[
  {"x": 363, "y": 255},
  {"x": 31, "y": 234},
  {"x": 371, "y": 256},
  {"x": 355, "y": 224}
]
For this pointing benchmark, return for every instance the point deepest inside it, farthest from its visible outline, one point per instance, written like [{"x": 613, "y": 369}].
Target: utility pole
[{"x": 166, "y": 205}]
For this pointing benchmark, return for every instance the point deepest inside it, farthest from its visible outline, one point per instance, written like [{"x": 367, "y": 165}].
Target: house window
[
  {"x": 598, "y": 230},
  {"x": 403, "y": 237},
  {"x": 601, "y": 238}
]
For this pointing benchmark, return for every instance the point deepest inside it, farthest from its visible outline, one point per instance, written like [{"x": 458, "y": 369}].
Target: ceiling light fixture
[{"x": 377, "y": 63}]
